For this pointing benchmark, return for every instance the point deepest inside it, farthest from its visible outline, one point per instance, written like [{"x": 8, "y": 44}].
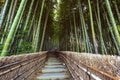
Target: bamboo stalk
[
  {"x": 76, "y": 36},
  {"x": 113, "y": 36},
  {"x": 117, "y": 10},
  {"x": 4, "y": 10},
  {"x": 92, "y": 28},
  {"x": 7, "y": 22},
  {"x": 117, "y": 36},
  {"x": 44, "y": 31},
  {"x": 14, "y": 25},
  {"x": 103, "y": 48},
  {"x": 32, "y": 20},
  {"x": 38, "y": 27}
]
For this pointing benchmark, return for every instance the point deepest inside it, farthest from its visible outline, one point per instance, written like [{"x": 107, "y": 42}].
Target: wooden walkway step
[{"x": 54, "y": 70}]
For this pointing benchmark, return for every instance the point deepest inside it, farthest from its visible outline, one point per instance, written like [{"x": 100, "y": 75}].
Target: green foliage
[
  {"x": 26, "y": 47},
  {"x": 12, "y": 30},
  {"x": 1, "y": 46},
  {"x": 62, "y": 28},
  {"x": 118, "y": 28}
]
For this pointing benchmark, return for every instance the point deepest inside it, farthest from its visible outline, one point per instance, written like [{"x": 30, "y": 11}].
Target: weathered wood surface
[
  {"x": 82, "y": 66},
  {"x": 91, "y": 66},
  {"x": 54, "y": 69},
  {"x": 21, "y": 66}
]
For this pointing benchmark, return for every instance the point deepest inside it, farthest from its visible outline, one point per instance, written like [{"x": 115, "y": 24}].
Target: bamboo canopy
[{"x": 91, "y": 26}]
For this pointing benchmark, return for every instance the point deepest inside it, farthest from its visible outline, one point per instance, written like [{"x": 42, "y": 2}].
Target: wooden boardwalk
[
  {"x": 54, "y": 69},
  {"x": 62, "y": 65}
]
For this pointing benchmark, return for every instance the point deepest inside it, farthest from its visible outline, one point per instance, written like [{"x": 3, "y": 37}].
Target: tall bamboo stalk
[
  {"x": 44, "y": 31},
  {"x": 38, "y": 27},
  {"x": 13, "y": 13},
  {"x": 7, "y": 22},
  {"x": 103, "y": 48},
  {"x": 117, "y": 35},
  {"x": 71, "y": 36},
  {"x": 92, "y": 27},
  {"x": 117, "y": 10},
  {"x": 21, "y": 21},
  {"x": 82, "y": 24},
  {"x": 14, "y": 25},
  {"x": 3, "y": 12},
  {"x": 113, "y": 36},
  {"x": 76, "y": 35},
  {"x": 33, "y": 19},
  {"x": 28, "y": 16},
  {"x": 27, "y": 20}
]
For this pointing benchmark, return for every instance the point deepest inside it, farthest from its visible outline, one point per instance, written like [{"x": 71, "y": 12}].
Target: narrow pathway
[{"x": 54, "y": 70}]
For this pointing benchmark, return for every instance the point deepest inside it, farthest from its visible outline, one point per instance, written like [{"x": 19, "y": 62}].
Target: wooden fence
[
  {"x": 21, "y": 67},
  {"x": 84, "y": 66}
]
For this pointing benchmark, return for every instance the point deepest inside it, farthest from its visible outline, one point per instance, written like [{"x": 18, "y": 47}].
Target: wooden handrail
[{"x": 90, "y": 68}]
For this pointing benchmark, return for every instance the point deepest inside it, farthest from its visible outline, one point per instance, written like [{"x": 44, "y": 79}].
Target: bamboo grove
[
  {"x": 91, "y": 26},
  {"x": 23, "y": 25}
]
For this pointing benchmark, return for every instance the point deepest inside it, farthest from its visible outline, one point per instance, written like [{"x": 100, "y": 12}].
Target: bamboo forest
[{"x": 59, "y": 40}]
